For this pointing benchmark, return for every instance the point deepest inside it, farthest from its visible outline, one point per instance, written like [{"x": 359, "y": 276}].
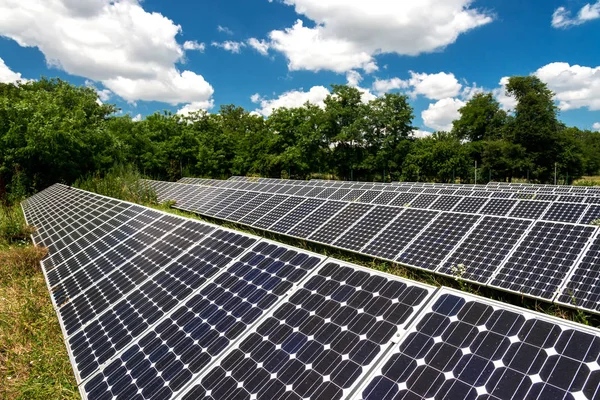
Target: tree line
[{"x": 52, "y": 131}]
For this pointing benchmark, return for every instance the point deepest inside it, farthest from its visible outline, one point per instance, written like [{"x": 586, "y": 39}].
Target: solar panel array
[
  {"x": 155, "y": 306},
  {"x": 535, "y": 248}
]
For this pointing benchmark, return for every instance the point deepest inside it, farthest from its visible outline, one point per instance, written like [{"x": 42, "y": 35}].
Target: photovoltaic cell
[
  {"x": 543, "y": 259},
  {"x": 591, "y": 214},
  {"x": 564, "y": 212},
  {"x": 329, "y": 232},
  {"x": 385, "y": 198},
  {"x": 371, "y": 224},
  {"x": 369, "y": 196},
  {"x": 467, "y": 347},
  {"x": 403, "y": 199},
  {"x": 263, "y": 209},
  {"x": 339, "y": 194},
  {"x": 248, "y": 207},
  {"x": 169, "y": 356},
  {"x": 320, "y": 342},
  {"x": 353, "y": 195},
  {"x": 437, "y": 240},
  {"x": 399, "y": 233},
  {"x": 484, "y": 249}
]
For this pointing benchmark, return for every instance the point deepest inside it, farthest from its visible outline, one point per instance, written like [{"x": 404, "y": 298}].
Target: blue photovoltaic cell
[
  {"x": 296, "y": 215},
  {"x": 170, "y": 355},
  {"x": 317, "y": 218}
]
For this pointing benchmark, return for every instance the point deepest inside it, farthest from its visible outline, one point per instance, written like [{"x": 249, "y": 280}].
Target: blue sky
[{"x": 188, "y": 55}]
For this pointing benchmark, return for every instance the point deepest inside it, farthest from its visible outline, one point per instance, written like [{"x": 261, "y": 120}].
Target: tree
[{"x": 480, "y": 119}]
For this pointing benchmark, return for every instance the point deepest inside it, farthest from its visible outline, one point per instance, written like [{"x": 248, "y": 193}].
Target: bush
[
  {"x": 121, "y": 182},
  {"x": 13, "y": 229}
]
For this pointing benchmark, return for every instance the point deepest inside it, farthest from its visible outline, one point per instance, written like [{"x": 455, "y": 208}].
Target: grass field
[{"x": 33, "y": 358}]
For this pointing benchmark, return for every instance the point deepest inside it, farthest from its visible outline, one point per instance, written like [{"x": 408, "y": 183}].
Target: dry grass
[{"x": 33, "y": 359}]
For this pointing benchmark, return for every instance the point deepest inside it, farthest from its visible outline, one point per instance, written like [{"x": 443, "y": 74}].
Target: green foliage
[
  {"x": 13, "y": 229},
  {"x": 121, "y": 182},
  {"x": 480, "y": 119}
]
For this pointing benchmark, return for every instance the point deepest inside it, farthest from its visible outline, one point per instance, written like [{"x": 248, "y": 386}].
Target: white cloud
[
  {"x": 596, "y": 126},
  {"x": 382, "y": 86},
  {"x": 294, "y": 98},
  {"x": 137, "y": 118},
  {"x": 103, "y": 95},
  {"x": 193, "y": 45},
  {"x": 7, "y": 75},
  {"x": 130, "y": 51},
  {"x": 561, "y": 18},
  {"x": 262, "y": 46},
  {"x": 575, "y": 86},
  {"x": 507, "y": 102},
  {"x": 195, "y": 106},
  {"x": 419, "y": 134},
  {"x": 347, "y": 35},
  {"x": 224, "y": 29},
  {"x": 439, "y": 115},
  {"x": 434, "y": 86},
  {"x": 469, "y": 92},
  {"x": 229, "y": 45}
]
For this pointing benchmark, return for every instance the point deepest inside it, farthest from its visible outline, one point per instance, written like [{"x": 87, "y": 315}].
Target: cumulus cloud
[
  {"x": 439, "y": 115},
  {"x": 575, "y": 86},
  {"x": 294, "y": 98},
  {"x": 382, "y": 86},
  {"x": 194, "y": 107},
  {"x": 137, "y": 118},
  {"x": 432, "y": 86},
  {"x": 229, "y": 45},
  {"x": 9, "y": 76},
  {"x": 262, "y": 46},
  {"x": 347, "y": 35},
  {"x": 596, "y": 126},
  {"x": 130, "y": 51},
  {"x": 354, "y": 79},
  {"x": 193, "y": 45},
  {"x": 562, "y": 18},
  {"x": 224, "y": 29}
]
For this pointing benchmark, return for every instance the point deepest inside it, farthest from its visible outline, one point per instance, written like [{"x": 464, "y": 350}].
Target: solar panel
[
  {"x": 484, "y": 249},
  {"x": 403, "y": 199},
  {"x": 343, "y": 220},
  {"x": 370, "y": 225},
  {"x": 385, "y": 198},
  {"x": 339, "y": 194},
  {"x": 325, "y": 193},
  {"x": 314, "y": 220},
  {"x": 591, "y": 214},
  {"x": 353, "y": 195},
  {"x": 571, "y": 198},
  {"x": 423, "y": 200},
  {"x": 543, "y": 259},
  {"x": 277, "y": 212},
  {"x": 437, "y": 240},
  {"x": 532, "y": 209},
  {"x": 467, "y": 347},
  {"x": 564, "y": 212},
  {"x": 445, "y": 203},
  {"x": 248, "y": 207},
  {"x": 176, "y": 350},
  {"x": 369, "y": 195},
  {"x": 399, "y": 233},
  {"x": 320, "y": 342},
  {"x": 263, "y": 209},
  {"x": 296, "y": 215},
  {"x": 582, "y": 288},
  {"x": 498, "y": 206},
  {"x": 470, "y": 204}
]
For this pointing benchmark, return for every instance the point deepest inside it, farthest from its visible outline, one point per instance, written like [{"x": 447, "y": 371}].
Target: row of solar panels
[
  {"x": 494, "y": 186},
  {"x": 552, "y": 261},
  {"x": 155, "y": 306},
  {"x": 546, "y": 207},
  {"x": 355, "y": 190}
]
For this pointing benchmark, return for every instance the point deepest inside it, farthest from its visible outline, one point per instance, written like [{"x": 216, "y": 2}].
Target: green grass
[{"x": 33, "y": 358}]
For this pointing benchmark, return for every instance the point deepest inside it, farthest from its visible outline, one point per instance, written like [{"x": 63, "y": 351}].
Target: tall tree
[{"x": 480, "y": 119}]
